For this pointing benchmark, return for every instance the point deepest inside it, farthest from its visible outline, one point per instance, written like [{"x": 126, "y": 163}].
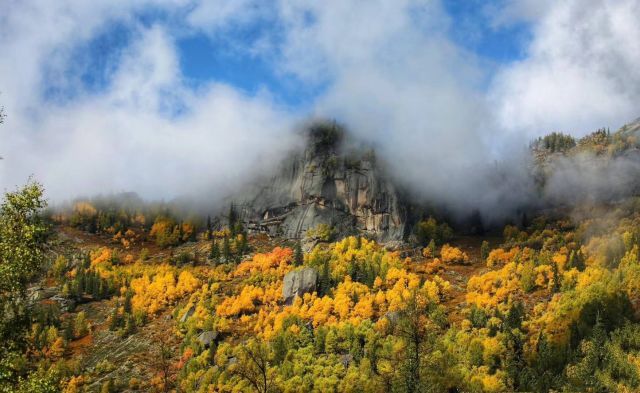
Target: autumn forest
[{"x": 337, "y": 196}]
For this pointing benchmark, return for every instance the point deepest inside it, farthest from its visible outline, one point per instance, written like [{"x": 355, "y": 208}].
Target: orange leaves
[
  {"x": 101, "y": 260},
  {"x": 127, "y": 239},
  {"x": 188, "y": 231},
  {"x": 500, "y": 257},
  {"x": 276, "y": 262},
  {"x": 100, "y": 256},
  {"x": 451, "y": 254},
  {"x": 161, "y": 225},
  {"x": 560, "y": 258},
  {"x": 245, "y": 302},
  {"x": 165, "y": 232}
]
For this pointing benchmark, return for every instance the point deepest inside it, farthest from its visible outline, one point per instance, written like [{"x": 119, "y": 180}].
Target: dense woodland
[{"x": 146, "y": 299}]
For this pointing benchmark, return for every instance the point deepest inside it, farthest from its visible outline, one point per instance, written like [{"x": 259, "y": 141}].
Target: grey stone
[
  {"x": 207, "y": 338},
  {"x": 65, "y": 304},
  {"x": 327, "y": 183},
  {"x": 188, "y": 314},
  {"x": 299, "y": 282},
  {"x": 392, "y": 316}
]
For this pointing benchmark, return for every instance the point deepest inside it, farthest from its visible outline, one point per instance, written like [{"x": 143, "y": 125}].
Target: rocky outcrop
[
  {"x": 38, "y": 294},
  {"x": 328, "y": 183},
  {"x": 299, "y": 282}
]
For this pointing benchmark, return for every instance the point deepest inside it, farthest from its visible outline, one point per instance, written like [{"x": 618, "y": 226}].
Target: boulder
[
  {"x": 188, "y": 314},
  {"x": 299, "y": 282},
  {"x": 207, "y": 338},
  {"x": 66, "y": 304}
]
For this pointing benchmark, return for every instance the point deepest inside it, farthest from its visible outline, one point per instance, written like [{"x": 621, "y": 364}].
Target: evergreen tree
[
  {"x": 94, "y": 281},
  {"x": 129, "y": 325},
  {"x": 556, "y": 278},
  {"x": 86, "y": 261},
  {"x": 484, "y": 250},
  {"x": 233, "y": 219},
  {"x": 68, "y": 329},
  {"x": 243, "y": 245},
  {"x": 115, "y": 317},
  {"x": 414, "y": 330},
  {"x": 127, "y": 308},
  {"x": 576, "y": 260},
  {"x": 214, "y": 254},
  {"x": 432, "y": 247},
  {"x": 226, "y": 249},
  {"x": 298, "y": 255},
  {"x": 324, "y": 282}
]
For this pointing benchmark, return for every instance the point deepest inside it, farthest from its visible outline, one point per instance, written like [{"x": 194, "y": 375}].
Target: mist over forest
[{"x": 241, "y": 196}]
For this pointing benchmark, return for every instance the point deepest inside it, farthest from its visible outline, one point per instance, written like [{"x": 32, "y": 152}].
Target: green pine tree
[
  {"x": 484, "y": 250},
  {"x": 324, "y": 283},
  {"x": 115, "y": 318},
  {"x": 298, "y": 255},
  {"x": 432, "y": 247},
  {"x": 68, "y": 329},
  {"x": 226, "y": 249},
  {"x": 214, "y": 254},
  {"x": 127, "y": 302},
  {"x": 243, "y": 245}
]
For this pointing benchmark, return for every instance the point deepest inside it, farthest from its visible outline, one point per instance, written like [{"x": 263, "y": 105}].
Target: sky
[{"x": 167, "y": 97}]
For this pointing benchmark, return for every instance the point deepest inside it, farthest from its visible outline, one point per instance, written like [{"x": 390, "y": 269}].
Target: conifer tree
[
  {"x": 484, "y": 250},
  {"x": 242, "y": 245},
  {"x": 233, "y": 218},
  {"x": 214, "y": 254},
  {"x": 298, "y": 256},
  {"x": 115, "y": 317},
  {"x": 432, "y": 247},
  {"x": 324, "y": 282},
  {"x": 226, "y": 249},
  {"x": 127, "y": 302},
  {"x": 68, "y": 329}
]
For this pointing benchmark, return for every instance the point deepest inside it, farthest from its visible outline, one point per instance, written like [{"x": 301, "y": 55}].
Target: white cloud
[
  {"x": 388, "y": 69},
  {"x": 395, "y": 78},
  {"x": 580, "y": 73},
  {"x": 146, "y": 131},
  {"x": 213, "y": 16},
  {"x": 509, "y": 12}
]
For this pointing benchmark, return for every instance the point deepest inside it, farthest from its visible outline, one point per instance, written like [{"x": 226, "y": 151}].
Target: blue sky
[
  {"x": 473, "y": 29},
  {"x": 224, "y": 57}
]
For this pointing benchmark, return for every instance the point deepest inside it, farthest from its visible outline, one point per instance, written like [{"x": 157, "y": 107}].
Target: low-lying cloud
[{"x": 452, "y": 125}]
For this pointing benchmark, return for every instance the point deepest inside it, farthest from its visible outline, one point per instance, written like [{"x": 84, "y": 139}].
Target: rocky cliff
[{"x": 329, "y": 182}]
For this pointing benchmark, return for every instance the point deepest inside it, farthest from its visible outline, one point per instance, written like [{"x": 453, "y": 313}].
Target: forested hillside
[{"x": 126, "y": 296}]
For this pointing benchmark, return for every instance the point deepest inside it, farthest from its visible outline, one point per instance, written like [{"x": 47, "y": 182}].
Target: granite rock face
[
  {"x": 299, "y": 282},
  {"x": 331, "y": 183}
]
